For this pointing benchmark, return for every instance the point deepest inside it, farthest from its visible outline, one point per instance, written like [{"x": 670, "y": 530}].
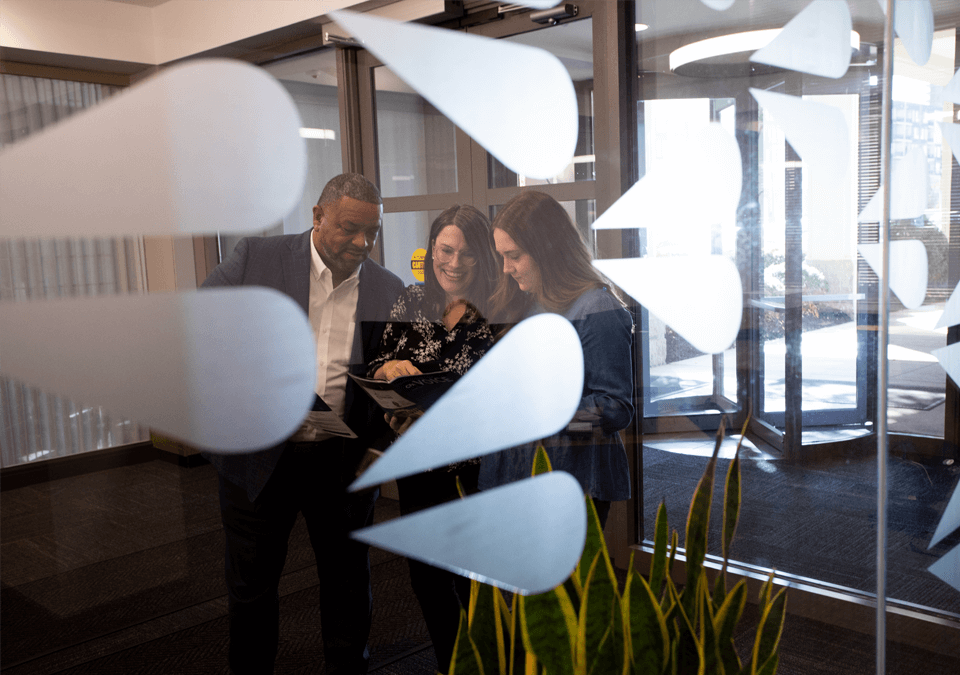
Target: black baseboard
[{"x": 22, "y": 475}]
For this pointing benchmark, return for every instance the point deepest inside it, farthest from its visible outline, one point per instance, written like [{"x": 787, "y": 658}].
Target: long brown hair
[
  {"x": 541, "y": 227},
  {"x": 479, "y": 239}
]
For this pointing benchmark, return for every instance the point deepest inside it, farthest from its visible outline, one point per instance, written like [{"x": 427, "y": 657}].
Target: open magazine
[
  {"x": 413, "y": 392},
  {"x": 408, "y": 392}
]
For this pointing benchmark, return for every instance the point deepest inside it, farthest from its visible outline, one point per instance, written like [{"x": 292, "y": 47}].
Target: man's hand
[{"x": 401, "y": 420}]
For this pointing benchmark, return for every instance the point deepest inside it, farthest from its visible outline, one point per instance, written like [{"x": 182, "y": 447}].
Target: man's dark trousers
[{"x": 310, "y": 478}]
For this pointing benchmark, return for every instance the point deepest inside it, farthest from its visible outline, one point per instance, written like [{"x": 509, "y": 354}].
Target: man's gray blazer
[{"x": 283, "y": 263}]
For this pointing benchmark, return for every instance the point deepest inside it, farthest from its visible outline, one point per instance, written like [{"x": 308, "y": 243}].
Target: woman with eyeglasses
[{"x": 442, "y": 326}]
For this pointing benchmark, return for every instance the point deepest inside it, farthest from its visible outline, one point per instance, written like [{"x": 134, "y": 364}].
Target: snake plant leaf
[
  {"x": 486, "y": 631},
  {"x": 770, "y": 667},
  {"x": 600, "y": 647},
  {"x": 549, "y": 628},
  {"x": 517, "y": 652},
  {"x": 604, "y": 660},
  {"x": 719, "y": 590},
  {"x": 690, "y": 656},
  {"x": 502, "y": 628},
  {"x": 648, "y": 639},
  {"x": 674, "y": 545},
  {"x": 764, "y": 599},
  {"x": 769, "y": 631},
  {"x": 712, "y": 662},
  {"x": 466, "y": 658},
  {"x": 658, "y": 564},
  {"x": 594, "y": 545},
  {"x": 725, "y": 620},
  {"x": 541, "y": 462},
  {"x": 698, "y": 524},
  {"x": 731, "y": 499},
  {"x": 574, "y": 590}
]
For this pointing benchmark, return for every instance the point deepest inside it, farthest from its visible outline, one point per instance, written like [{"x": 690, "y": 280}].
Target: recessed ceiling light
[
  {"x": 732, "y": 44},
  {"x": 640, "y": 26}
]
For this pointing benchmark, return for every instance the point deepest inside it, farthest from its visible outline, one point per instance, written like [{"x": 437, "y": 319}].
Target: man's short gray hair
[{"x": 351, "y": 185}]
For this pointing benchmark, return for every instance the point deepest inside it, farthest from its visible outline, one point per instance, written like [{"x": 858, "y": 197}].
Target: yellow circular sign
[{"x": 416, "y": 263}]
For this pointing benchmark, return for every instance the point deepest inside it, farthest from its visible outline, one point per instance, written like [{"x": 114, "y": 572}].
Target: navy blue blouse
[{"x": 596, "y": 458}]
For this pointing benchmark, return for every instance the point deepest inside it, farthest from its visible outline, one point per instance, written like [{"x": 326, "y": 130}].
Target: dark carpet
[
  {"x": 819, "y": 521},
  {"x": 120, "y": 571}
]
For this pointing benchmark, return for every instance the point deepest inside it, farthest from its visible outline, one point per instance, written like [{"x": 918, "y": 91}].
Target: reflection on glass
[
  {"x": 572, "y": 43},
  {"x": 416, "y": 143},
  {"x": 682, "y": 379},
  {"x": 312, "y": 83},
  {"x": 829, "y": 347},
  {"x": 806, "y": 360},
  {"x": 917, "y": 389}
]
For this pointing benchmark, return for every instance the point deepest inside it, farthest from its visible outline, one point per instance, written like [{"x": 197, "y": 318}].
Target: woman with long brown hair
[{"x": 547, "y": 268}]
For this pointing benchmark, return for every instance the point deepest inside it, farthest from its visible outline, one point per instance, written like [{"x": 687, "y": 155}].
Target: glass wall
[{"x": 804, "y": 372}]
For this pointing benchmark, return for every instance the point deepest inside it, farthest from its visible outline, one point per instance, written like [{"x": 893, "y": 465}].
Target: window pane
[
  {"x": 312, "y": 83},
  {"x": 572, "y": 43},
  {"x": 417, "y": 145}
]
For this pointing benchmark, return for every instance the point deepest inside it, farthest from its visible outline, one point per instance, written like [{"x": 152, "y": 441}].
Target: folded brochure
[
  {"x": 322, "y": 418},
  {"x": 410, "y": 391}
]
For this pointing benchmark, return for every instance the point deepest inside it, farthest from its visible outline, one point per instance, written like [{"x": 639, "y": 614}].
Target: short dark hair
[
  {"x": 479, "y": 239},
  {"x": 351, "y": 185}
]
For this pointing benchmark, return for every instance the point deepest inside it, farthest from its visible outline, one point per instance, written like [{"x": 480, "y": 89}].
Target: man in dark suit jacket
[{"x": 347, "y": 298}]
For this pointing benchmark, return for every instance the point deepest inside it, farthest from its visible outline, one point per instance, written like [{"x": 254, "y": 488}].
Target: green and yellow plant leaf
[
  {"x": 674, "y": 545},
  {"x": 725, "y": 620},
  {"x": 593, "y": 545},
  {"x": 698, "y": 524},
  {"x": 764, "y": 599},
  {"x": 690, "y": 656},
  {"x": 769, "y": 631},
  {"x": 600, "y": 622},
  {"x": 658, "y": 563},
  {"x": 486, "y": 626},
  {"x": 549, "y": 628},
  {"x": 517, "y": 652},
  {"x": 647, "y": 636},
  {"x": 770, "y": 667},
  {"x": 541, "y": 462},
  {"x": 731, "y": 500},
  {"x": 466, "y": 658},
  {"x": 712, "y": 663}
]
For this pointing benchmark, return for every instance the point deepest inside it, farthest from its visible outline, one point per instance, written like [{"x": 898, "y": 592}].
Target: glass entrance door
[
  {"x": 681, "y": 384},
  {"x": 804, "y": 299},
  {"x": 808, "y": 303}
]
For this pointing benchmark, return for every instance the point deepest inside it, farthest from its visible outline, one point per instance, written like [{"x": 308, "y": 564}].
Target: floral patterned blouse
[{"x": 414, "y": 335}]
